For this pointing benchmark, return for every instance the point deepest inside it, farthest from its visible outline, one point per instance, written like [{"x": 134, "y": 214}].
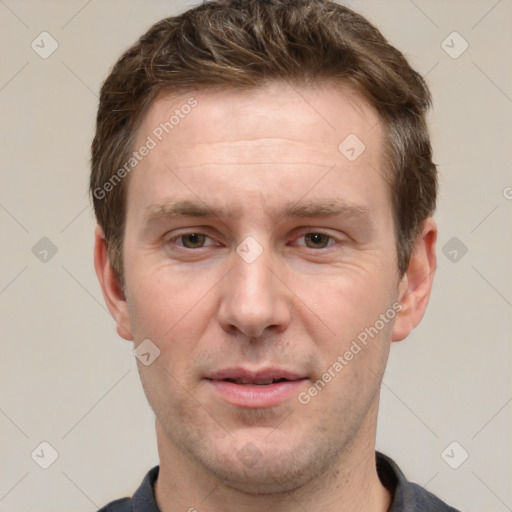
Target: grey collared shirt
[{"x": 407, "y": 496}]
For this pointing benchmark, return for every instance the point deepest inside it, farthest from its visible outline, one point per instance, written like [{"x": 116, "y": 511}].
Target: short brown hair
[{"x": 243, "y": 44}]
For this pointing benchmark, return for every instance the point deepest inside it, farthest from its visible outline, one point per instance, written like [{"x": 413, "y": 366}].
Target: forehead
[
  {"x": 234, "y": 115},
  {"x": 234, "y": 142}
]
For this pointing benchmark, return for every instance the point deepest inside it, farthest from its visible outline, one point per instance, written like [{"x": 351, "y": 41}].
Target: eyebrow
[{"x": 292, "y": 209}]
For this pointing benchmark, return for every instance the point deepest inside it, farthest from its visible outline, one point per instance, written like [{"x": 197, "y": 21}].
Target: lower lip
[{"x": 255, "y": 396}]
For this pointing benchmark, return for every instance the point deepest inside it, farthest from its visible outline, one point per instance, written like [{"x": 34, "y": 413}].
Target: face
[{"x": 256, "y": 250}]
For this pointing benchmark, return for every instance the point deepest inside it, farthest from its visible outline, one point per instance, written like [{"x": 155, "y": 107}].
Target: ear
[
  {"x": 111, "y": 286},
  {"x": 416, "y": 284}
]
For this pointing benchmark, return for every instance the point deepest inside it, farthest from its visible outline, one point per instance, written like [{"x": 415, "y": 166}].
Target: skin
[{"x": 298, "y": 306}]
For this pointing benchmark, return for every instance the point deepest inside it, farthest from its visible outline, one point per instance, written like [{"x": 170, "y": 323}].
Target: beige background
[{"x": 67, "y": 379}]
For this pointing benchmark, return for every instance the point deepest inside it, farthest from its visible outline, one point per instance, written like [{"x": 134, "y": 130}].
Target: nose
[{"x": 254, "y": 298}]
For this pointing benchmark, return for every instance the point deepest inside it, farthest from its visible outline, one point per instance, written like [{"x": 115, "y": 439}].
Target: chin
[
  {"x": 261, "y": 486},
  {"x": 267, "y": 477},
  {"x": 272, "y": 470}
]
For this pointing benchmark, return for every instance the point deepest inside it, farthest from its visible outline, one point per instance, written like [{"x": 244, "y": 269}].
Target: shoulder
[
  {"x": 425, "y": 500},
  {"x": 122, "y": 505},
  {"x": 143, "y": 499},
  {"x": 407, "y": 496}
]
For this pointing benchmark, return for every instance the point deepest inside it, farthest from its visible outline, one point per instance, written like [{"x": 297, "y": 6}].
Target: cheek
[
  {"x": 163, "y": 303},
  {"x": 341, "y": 306},
  {"x": 174, "y": 314},
  {"x": 172, "y": 402}
]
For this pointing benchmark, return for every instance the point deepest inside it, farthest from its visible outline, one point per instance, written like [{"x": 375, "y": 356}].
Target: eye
[
  {"x": 192, "y": 240},
  {"x": 318, "y": 240}
]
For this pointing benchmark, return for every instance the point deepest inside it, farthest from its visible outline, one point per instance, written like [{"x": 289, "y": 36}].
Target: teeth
[{"x": 261, "y": 382}]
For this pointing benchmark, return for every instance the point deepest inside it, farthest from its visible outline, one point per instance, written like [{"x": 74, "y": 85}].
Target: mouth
[
  {"x": 248, "y": 382},
  {"x": 263, "y": 388}
]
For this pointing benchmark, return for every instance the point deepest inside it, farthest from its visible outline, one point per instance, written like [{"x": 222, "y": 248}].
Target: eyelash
[{"x": 330, "y": 237}]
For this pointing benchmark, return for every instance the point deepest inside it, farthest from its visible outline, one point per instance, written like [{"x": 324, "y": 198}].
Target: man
[{"x": 263, "y": 183}]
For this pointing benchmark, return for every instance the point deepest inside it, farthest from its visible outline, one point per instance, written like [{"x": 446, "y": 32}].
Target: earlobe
[
  {"x": 111, "y": 287},
  {"x": 416, "y": 284}
]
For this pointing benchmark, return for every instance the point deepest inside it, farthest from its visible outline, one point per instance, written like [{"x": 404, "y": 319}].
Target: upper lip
[{"x": 263, "y": 374}]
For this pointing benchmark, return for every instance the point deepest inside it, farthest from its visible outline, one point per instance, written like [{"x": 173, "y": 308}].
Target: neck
[{"x": 350, "y": 484}]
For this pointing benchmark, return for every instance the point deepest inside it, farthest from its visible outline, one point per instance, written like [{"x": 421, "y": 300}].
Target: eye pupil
[
  {"x": 193, "y": 240},
  {"x": 317, "y": 239}
]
